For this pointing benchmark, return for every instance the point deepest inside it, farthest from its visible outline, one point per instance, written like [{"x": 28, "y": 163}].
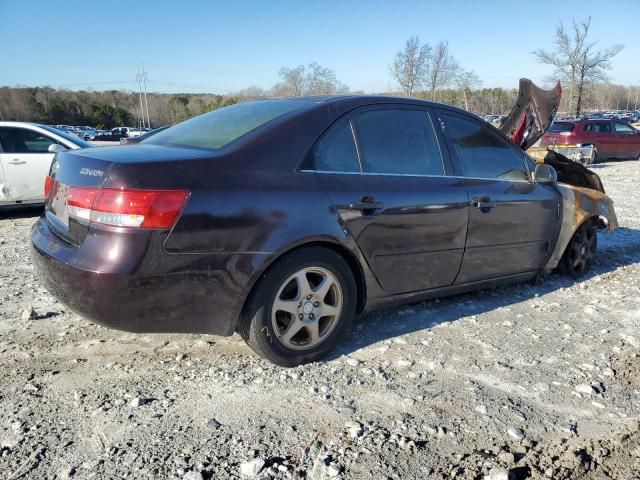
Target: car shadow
[
  {"x": 616, "y": 249},
  {"x": 14, "y": 213}
]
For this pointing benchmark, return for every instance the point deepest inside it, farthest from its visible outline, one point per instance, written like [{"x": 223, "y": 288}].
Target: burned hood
[{"x": 532, "y": 114}]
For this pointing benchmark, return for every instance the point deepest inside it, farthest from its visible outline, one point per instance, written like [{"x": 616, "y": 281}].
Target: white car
[{"x": 26, "y": 153}]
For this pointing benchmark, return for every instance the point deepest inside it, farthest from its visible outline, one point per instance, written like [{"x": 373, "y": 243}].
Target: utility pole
[
  {"x": 636, "y": 103},
  {"x": 628, "y": 98},
  {"x": 139, "y": 80},
  {"x": 146, "y": 104}
]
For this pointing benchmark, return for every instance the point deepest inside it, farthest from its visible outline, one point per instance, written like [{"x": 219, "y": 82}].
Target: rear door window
[
  {"x": 483, "y": 154},
  {"x": 336, "y": 151},
  {"x": 398, "y": 141},
  {"x": 598, "y": 127}
]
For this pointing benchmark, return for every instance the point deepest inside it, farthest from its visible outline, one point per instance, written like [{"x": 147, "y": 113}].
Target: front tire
[
  {"x": 301, "y": 308},
  {"x": 581, "y": 251}
]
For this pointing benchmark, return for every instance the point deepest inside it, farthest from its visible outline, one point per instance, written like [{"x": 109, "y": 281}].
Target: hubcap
[{"x": 307, "y": 308}]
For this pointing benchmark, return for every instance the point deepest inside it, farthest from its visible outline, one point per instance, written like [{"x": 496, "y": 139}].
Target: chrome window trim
[
  {"x": 459, "y": 177},
  {"x": 355, "y": 142}
]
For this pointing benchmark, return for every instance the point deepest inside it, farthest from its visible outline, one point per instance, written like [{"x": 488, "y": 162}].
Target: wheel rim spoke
[
  {"x": 304, "y": 289},
  {"x": 322, "y": 289},
  {"x": 330, "y": 310},
  {"x": 294, "y": 328},
  {"x": 289, "y": 306},
  {"x": 314, "y": 332}
]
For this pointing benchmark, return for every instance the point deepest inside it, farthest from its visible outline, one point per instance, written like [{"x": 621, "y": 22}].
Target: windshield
[
  {"x": 67, "y": 136},
  {"x": 216, "y": 129}
]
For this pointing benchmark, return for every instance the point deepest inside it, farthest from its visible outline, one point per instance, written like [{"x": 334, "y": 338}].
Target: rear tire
[
  {"x": 301, "y": 309},
  {"x": 581, "y": 251}
]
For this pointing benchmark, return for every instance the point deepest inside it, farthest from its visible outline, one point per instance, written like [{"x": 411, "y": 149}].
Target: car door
[
  {"x": 25, "y": 161},
  {"x": 384, "y": 172},
  {"x": 627, "y": 140},
  {"x": 603, "y": 139},
  {"x": 512, "y": 221}
]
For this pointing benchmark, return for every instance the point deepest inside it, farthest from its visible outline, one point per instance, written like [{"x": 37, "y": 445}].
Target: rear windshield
[
  {"x": 561, "y": 127},
  {"x": 216, "y": 129}
]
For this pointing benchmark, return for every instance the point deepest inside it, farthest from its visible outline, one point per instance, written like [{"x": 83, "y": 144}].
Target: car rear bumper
[{"x": 162, "y": 293}]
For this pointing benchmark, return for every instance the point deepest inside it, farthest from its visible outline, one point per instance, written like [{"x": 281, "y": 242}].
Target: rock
[
  {"x": 498, "y": 473},
  {"x": 65, "y": 473},
  {"x": 586, "y": 389},
  {"x": 408, "y": 402},
  {"x": 404, "y": 363},
  {"x": 353, "y": 362},
  {"x": 193, "y": 476},
  {"x": 332, "y": 470},
  {"x": 29, "y": 314},
  {"x": 515, "y": 433},
  {"x": 138, "y": 402},
  {"x": 507, "y": 457},
  {"x": 213, "y": 424},
  {"x": 11, "y": 441},
  {"x": 180, "y": 357},
  {"x": 252, "y": 467},
  {"x": 481, "y": 409},
  {"x": 354, "y": 428}
]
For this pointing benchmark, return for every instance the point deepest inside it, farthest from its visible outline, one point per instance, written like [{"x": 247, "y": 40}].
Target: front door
[
  {"x": 627, "y": 140},
  {"x": 512, "y": 221},
  {"x": 25, "y": 161},
  {"x": 384, "y": 172}
]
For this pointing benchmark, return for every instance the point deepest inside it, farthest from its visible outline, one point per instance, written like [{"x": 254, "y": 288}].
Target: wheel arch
[
  {"x": 580, "y": 205},
  {"x": 347, "y": 255}
]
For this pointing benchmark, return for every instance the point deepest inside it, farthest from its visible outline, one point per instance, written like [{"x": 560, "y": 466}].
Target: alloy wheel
[
  {"x": 307, "y": 308},
  {"x": 581, "y": 251}
]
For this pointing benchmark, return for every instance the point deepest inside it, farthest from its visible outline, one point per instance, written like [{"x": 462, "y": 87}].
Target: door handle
[
  {"x": 484, "y": 203},
  {"x": 16, "y": 161}
]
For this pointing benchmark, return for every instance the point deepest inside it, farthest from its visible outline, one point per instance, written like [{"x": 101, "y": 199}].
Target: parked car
[
  {"x": 610, "y": 138},
  {"x": 26, "y": 152},
  {"x": 145, "y": 135},
  {"x": 281, "y": 219},
  {"x": 109, "y": 136}
]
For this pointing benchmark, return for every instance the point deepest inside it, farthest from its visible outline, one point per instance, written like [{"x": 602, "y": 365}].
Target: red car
[{"x": 611, "y": 138}]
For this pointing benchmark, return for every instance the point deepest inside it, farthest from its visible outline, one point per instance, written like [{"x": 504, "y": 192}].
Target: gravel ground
[{"x": 529, "y": 381}]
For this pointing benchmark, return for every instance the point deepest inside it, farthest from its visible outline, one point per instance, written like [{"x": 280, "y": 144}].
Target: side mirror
[
  {"x": 56, "y": 148},
  {"x": 544, "y": 174}
]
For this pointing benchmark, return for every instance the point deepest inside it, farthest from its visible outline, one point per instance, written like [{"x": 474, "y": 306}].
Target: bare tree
[
  {"x": 577, "y": 61},
  {"x": 292, "y": 81},
  {"x": 465, "y": 81},
  {"x": 410, "y": 64},
  {"x": 312, "y": 80},
  {"x": 440, "y": 68}
]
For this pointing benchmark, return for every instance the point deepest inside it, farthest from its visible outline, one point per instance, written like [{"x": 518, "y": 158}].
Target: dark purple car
[{"x": 282, "y": 219}]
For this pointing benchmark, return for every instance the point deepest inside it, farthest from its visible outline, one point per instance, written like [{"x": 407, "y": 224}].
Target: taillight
[
  {"x": 127, "y": 208},
  {"x": 48, "y": 183}
]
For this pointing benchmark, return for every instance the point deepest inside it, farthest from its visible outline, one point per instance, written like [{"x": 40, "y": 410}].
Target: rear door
[
  {"x": 600, "y": 134},
  {"x": 627, "y": 140},
  {"x": 25, "y": 161},
  {"x": 512, "y": 221},
  {"x": 387, "y": 179}
]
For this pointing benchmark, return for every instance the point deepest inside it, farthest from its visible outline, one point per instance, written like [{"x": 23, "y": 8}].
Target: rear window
[
  {"x": 561, "y": 127},
  {"x": 216, "y": 129}
]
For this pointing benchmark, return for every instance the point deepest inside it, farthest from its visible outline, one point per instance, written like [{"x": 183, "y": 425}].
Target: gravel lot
[{"x": 529, "y": 381}]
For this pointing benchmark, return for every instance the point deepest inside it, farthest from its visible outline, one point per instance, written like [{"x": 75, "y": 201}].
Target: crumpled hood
[{"x": 532, "y": 114}]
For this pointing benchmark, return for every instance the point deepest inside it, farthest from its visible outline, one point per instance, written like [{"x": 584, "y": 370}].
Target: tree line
[{"x": 418, "y": 70}]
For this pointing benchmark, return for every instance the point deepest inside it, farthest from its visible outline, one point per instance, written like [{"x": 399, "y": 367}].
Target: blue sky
[{"x": 220, "y": 47}]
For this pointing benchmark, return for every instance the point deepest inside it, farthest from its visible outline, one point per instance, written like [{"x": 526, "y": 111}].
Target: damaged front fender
[{"x": 579, "y": 205}]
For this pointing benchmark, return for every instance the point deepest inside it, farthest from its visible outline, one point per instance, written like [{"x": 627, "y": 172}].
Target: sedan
[
  {"x": 283, "y": 219},
  {"x": 26, "y": 153}
]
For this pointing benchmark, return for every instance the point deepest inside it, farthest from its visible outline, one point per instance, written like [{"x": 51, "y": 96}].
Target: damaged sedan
[{"x": 283, "y": 219}]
